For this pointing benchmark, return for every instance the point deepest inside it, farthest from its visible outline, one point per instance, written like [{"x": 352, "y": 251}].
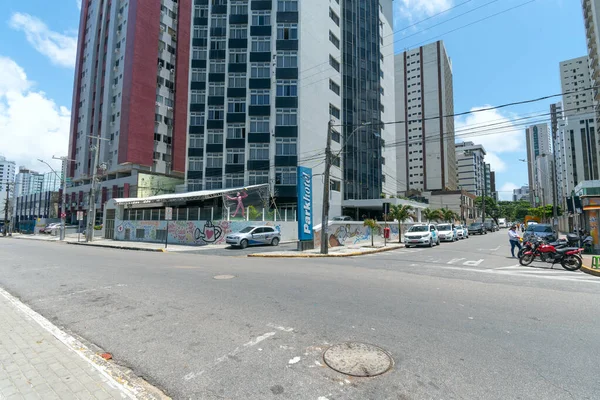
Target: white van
[{"x": 502, "y": 223}]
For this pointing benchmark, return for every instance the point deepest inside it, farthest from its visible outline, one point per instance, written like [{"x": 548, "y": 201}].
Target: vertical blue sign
[{"x": 305, "y": 209}]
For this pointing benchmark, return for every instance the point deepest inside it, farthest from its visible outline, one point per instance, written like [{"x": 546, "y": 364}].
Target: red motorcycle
[{"x": 568, "y": 257}]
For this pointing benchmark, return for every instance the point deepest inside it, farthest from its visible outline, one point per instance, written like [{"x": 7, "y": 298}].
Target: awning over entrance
[{"x": 184, "y": 197}]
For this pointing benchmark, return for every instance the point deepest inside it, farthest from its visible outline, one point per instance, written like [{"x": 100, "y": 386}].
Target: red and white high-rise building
[{"x": 131, "y": 91}]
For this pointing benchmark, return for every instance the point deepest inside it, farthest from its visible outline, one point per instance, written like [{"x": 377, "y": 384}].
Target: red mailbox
[{"x": 386, "y": 233}]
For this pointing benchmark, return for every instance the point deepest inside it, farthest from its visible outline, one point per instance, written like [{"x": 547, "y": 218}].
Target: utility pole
[
  {"x": 63, "y": 214},
  {"x": 91, "y": 221},
  {"x": 326, "y": 188},
  {"x": 554, "y": 196},
  {"x": 6, "y": 205},
  {"x": 484, "y": 196}
]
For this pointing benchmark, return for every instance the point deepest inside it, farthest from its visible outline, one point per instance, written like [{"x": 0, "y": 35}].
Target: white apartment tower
[
  {"x": 424, "y": 100},
  {"x": 7, "y": 178},
  {"x": 471, "y": 168},
  {"x": 266, "y": 77},
  {"x": 538, "y": 146},
  {"x": 575, "y": 84},
  {"x": 591, "y": 16}
]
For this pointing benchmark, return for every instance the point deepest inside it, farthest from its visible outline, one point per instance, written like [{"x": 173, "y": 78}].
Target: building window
[
  {"x": 234, "y": 180},
  {"x": 334, "y": 87},
  {"x": 286, "y": 147},
  {"x": 334, "y": 17},
  {"x": 336, "y": 185},
  {"x": 214, "y": 160},
  {"x": 287, "y": 31},
  {"x": 218, "y": 21},
  {"x": 287, "y": 88},
  {"x": 287, "y": 59},
  {"x": 197, "y": 96},
  {"x": 261, "y": 18},
  {"x": 286, "y": 117},
  {"x": 217, "y": 67},
  {"x": 236, "y": 105},
  {"x": 334, "y": 111},
  {"x": 334, "y": 63},
  {"x": 259, "y": 125},
  {"x": 236, "y": 131},
  {"x": 196, "y": 119},
  {"x": 218, "y": 45},
  {"x": 262, "y": 70},
  {"x": 334, "y": 39},
  {"x": 237, "y": 80},
  {"x": 258, "y": 177},
  {"x": 200, "y": 33},
  {"x": 215, "y": 137},
  {"x": 260, "y": 97},
  {"x": 239, "y": 8},
  {"x": 238, "y": 56},
  {"x": 200, "y": 11},
  {"x": 198, "y": 75},
  {"x": 214, "y": 182},
  {"x": 216, "y": 113},
  {"x": 259, "y": 151},
  {"x": 198, "y": 53},
  {"x": 261, "y": 44},
  {"x": 236, "y": 156},
  {"x": 196, "y": 141},
  {"x": 285, "y": 176},
  {"x": 194, "y": 185},
  {"x": 335, "y": 136},
  {"x": 216, "y": 89},
  {"x": 195, "y": 163},
  {"x": 287, "y": 5},
  {"x": 238, "y": 32}
]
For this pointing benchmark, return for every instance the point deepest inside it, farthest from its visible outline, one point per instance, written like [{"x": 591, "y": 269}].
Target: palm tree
[
  {"x": 371, "y": 224},
  {"x": 401, "y": 213},
  {"x": 437, "y": 215},
  {"x": 448, "y": 215},
  {"x": 427, "y": 214}
]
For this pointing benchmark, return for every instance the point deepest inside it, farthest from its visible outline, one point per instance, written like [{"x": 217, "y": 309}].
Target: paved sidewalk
[
  {"x": 587, "y": 265},
  {"x": 34, "y": 364},
  {"x": 340, "y": 251}
]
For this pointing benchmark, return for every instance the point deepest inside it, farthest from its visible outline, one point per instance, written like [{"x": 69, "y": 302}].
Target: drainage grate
[{"x": 358, "y": 359}]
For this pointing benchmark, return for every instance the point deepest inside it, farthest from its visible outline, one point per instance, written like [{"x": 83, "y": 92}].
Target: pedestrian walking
[{"x": 514, "y": 239}]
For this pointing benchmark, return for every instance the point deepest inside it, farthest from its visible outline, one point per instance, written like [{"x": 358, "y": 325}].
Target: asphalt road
[{"x": 460, "y": 320}]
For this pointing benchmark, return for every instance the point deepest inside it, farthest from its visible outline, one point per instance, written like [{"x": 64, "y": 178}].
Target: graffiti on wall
[
  {"x": 197, "y": 233},
  {"x": 353, "y": 234}
]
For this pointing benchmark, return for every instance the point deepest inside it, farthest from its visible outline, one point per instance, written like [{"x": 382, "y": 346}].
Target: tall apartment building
[
  {"x": 131, "y": 92},
  {"x": 521, "y": 193},
  {"x": 471, "y": 168},
  {"x": 266, "y": 77},
  {"x": 7, "y": 177},
  {"x": 538, "y": 147},
  {"x": 591, "y": 15},
  {"x": 575, "y": 81},
  {"x": 424, "y": 97},
  {"x": 28, "y": 181}
]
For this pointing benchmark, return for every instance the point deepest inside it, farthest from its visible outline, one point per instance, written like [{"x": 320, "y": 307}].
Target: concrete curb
[
  {"x": 588, "y": 270},
  {"x": 118, "y": 247},
  {"x": 353, "y": 254}
]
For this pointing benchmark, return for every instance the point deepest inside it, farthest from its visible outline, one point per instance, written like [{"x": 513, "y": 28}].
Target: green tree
[
  {"x": 427, "y": 213},
  {"x": 491, "y": 207},
  {"x": 448, "y": 215},
  {"x": 437, "y": 215},
  {"x": 371, "y": 224},
  {"x": 401, "y": 213}
]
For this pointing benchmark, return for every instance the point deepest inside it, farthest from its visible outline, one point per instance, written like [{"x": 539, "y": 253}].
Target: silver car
[{"x": 254, "y": 235}]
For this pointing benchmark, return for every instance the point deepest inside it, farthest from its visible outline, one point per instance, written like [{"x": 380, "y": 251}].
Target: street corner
[
  {"x": 591, "y": 271},
  {"x": 333, "y": 252}
]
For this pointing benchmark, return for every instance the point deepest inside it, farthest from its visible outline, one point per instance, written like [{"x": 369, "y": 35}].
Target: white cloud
[
  {"x": 412, "y": 8},
  {"x": 60, "y": 48},
  {"x": 506, "y": 191},
  {"x": 494, "y": 131},
  {"x": 32, "y": 126},
  {"x": 78, "y": 4}
]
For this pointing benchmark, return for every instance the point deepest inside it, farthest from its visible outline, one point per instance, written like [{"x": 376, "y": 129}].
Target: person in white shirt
[{"x": 514, "y": 239}]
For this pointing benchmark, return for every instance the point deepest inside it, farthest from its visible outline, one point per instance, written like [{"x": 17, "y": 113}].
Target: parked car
[
  {"x": 477, "y": 228},
  {"x": 422, "y": 234},
  {"x": 50, "y": 228},
  {"x": 254, "y": 235},
  {"x": 447, "y": 232},
  {"x": 491, "y": 226},
  {"x": 543, "y": 231},
  {"x": 462, "y": 231},
  {"x": 342, "y": 218}
]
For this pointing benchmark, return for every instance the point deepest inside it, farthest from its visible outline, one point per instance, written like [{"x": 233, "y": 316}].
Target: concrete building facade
[
  {"x": 7, "y": 178},
  {"x": 591, "y": 19},
  {"x": 424, "y": 95},
  {"x": 521, "y": 193},
  {"x": 538, "y": 145},
  {"x": 575, "y": 81},
  {"x": 471, "y": 168}
]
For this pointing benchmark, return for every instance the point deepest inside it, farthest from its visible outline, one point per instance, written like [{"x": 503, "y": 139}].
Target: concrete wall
[
  {"x": 195, "y": 233},
  {"x": 354, "y": 233}
]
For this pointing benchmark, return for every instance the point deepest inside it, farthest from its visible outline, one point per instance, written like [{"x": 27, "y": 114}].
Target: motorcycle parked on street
[{"x": 568, "y": 257}]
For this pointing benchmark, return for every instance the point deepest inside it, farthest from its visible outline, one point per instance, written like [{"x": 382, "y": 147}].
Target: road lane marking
[
  {"x": 281, "y": 328},
  {"x": 455, "y": 260},
  {"x": 473, "y": 263}
]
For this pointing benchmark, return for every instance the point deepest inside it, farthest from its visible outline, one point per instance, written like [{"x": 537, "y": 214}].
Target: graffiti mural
[
  {"x": 195, "y": 233},
  {"x": 355, "y": 234}
]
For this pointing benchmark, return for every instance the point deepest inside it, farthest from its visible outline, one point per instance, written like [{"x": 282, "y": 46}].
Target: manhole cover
[
  {"x": 221, "y": 277},
  {"x": 358, "y": 359}
]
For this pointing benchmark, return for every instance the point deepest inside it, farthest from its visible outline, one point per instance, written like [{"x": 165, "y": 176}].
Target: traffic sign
[
  {"x": 79, "y": 215},
  {"x": 168, "y": 213},
  {"x": 63, "y": 215}
]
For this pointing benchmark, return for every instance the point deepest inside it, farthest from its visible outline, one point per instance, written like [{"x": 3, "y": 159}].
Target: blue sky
[{"x": 509, "y": 57}]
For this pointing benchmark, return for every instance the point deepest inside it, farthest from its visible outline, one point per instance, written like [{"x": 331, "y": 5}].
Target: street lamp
[{"x": 327, "y": 183}]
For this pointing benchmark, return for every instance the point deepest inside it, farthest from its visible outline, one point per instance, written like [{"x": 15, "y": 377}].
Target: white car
[
  {"x": 422, "y": 235},
  {"x": 253, "y": 236},
  {"x": 462, "y": 232},
  {"x": 447, "y": 233}
]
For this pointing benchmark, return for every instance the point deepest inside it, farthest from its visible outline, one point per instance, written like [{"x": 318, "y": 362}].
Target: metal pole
[
  {"x": 483, "y": 199},
  {"x": 575, "y": 219},
  {"x": 92, "y": 213},
  {"x": 554, "y": 195},
  {"x": 6, "y": 209},
  {"x": 63, "y": 214},
  {"x": 326, "y": 187},
  {"x": 167, "y": 235}
]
